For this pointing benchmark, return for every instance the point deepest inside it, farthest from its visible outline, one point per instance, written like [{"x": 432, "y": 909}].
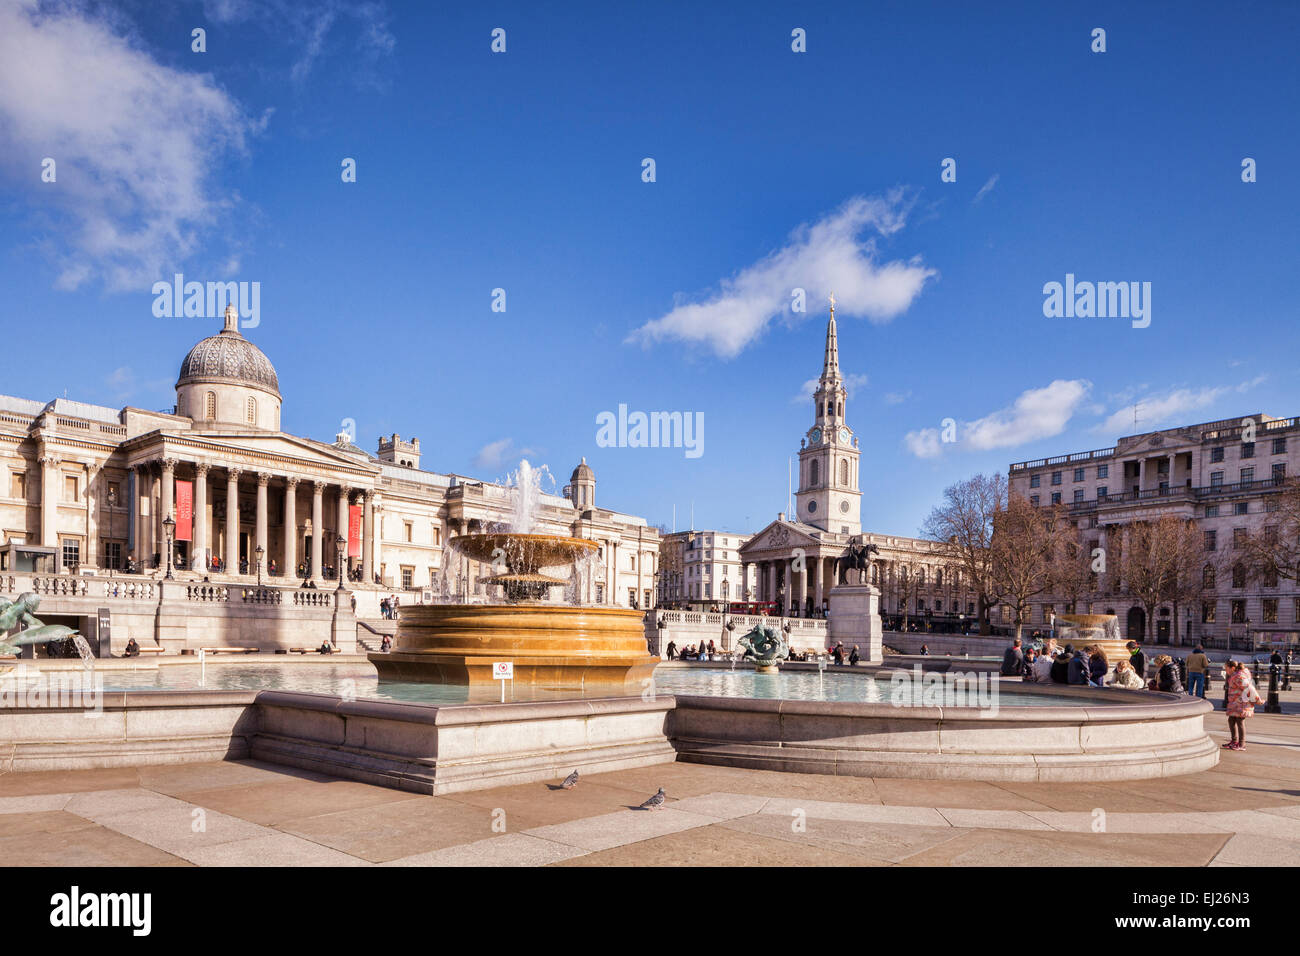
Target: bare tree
[
  {"x": 670, "y": 569},
  {"x": 907, "y": 585},
  {"x": 1026, "y": 541},
  {"x": 963, "y": 527},
  {"x": 1073, "y": 574},
  {"x": 1274, "y": 551},
  {"x": 1162, "y": 562}
]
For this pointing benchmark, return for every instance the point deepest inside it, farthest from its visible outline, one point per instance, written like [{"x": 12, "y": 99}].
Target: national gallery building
[{"x": 86, "y": 489}]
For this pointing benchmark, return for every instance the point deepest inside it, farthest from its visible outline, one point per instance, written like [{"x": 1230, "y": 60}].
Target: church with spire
[{"x": 830, "y": 497}]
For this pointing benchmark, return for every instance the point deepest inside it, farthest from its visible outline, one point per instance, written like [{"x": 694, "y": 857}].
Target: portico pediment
[
  {"x": 779, "y": 536},
  {"x": 273, "y": 451}
]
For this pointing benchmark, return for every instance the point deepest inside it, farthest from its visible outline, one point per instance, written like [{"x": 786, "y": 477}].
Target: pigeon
[
  {"x": 655, "y": 802},
  {"x": 570, "y": 781}
]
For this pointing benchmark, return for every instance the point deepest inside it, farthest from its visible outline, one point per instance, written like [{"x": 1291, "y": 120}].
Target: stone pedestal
[{"x": 855, "y": 619}]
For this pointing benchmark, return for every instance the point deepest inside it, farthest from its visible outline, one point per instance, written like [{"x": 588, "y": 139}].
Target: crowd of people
[{"x": 1090, "y": 667}]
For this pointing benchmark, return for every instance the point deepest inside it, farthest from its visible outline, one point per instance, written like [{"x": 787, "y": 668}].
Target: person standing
[
  {"x": 1242, "y": 697},
  {"x": 1013, "y": 661},
  {"x": 1137, "y": 659},
  {"x": 672, "y": 650},
  {"x": 1198, "y": 666}
]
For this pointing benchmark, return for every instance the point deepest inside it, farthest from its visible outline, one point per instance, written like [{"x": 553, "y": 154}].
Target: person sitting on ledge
[
  {"x": 325, "y": 648},
  {"x": 132, "y": 649},
  {"x": 1126, "y": 677},
  {"x": 853, "y": 655},
  {"x": 1061, "y": 666},
  {"x": 1137, "y": 659},
  {"x": 1013, "y": 660},
  {"x": 925, "y": 650},
  {"x": 1042, "y": 672},
  {"x": 1078, "y": 669},
  {"x": 1167, "y": 678},
  {"x": 1098, "y": 666},
  {"x": 386, "y": 644}
]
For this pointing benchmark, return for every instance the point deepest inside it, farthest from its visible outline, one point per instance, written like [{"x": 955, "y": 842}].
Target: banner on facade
[
  {"x": 354, "y": 531},
  {"x": 184, "y": 511}
]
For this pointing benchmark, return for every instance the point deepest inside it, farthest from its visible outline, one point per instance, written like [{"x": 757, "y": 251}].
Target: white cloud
[
  {"x": 852, "y": 382},
  {"x": 827, "y": 256},
  {"x": 1037, "y": 413},
  {"x": 897, "y": 398},
  {"x": 495, "y": 455},
  {"x": 135, "y": 143},
  {"x": 986, "y": 188},
  {"x": 1168, "y": 407}
]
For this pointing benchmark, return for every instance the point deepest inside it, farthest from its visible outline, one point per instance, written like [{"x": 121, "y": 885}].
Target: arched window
[
  {"x": 830, "y": 408},
  {"x": 815, "y": 474},
  {"x": 938, "y": 578},
  {"x": 252, "y": 410},
  {"x": 210, "y": 406},
  {"x": 844, "y": 471},
  {"x": 1208, "y": 577}
]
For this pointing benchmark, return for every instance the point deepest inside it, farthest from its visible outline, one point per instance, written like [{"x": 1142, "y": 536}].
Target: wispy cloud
[
  {"x": 1168, "y": 407},
  {"x": 1036, "y": 414},
  {"x": 827, "y": 256},
  {"x": 986, "y": 188},
  {"x": 897, "y": 398},
  {"x": 495, "y": 455},
  {"x": 135, "y": 144},
  {"x": 852, "y": 382}
]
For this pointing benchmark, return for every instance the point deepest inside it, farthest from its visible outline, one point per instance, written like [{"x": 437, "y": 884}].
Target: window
[
  {"x": 970, "y": 607},
  {"x": 252, "y": 410},
  {"x": 1211, "y": 511},
  {"x": 1033, "y": 500},
  {"x": 71, "y": 554},
  {"x": 1101, "y": 492},
  {"x": 844, "y": 471},
  {"x": 1162, "y": 466},
  {"x": 210, "y": 406},
  {"x": 1216, "y": 454},
  {"x": 112, "y": 551},
  {"x": 1103, "y": 471},
  {"x": 1279, "y": 446},
  {"x": 1078, "y": 494},
  {"x": 435, "y": 534},
  {"x": 17, "y": 485},
  {"x": 1208, "y": 577},
  {"x": 1270, "y": 610},
  {"x": 407, "y": 531},
  {"x": 1238, "y": 575},
  {"x": 1211, "y": 541},
  {"x": 1216, "y": 479},
  {"x": 1248, "y": 449},
  {"x": 1247, "y": 475},
  {"x": 69, "y": 487},
  {"x": 1279, "y": 473},
  {"x": 815, "y": 474},
  {"x": 1056, "y": 477},
  {"x": 114, "y": 491},
  {"x": 408, "y": 575},
  {"x": 1078, "y": 474},
  {"x": 600, "y": 594},
  {"x": 1238, "y": 612},
  {"x": 1241, "y": 508},
  {"x": 1056, "y": 497},
  {"x": 1270, "y": 579},
  {"x": 631, "y": 597},
  {"x": 1238, "y": 538},
  {"x": 1208, "y": 611},
  {"x": 1035, "y": 481}
]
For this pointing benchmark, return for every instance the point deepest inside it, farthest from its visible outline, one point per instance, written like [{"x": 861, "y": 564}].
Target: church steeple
[{"x": 831, "y": 364}]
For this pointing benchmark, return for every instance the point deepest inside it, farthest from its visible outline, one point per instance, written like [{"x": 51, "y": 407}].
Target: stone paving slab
[
  {"x": 717, "y": 846},
  {"x": 619, "y": 829},
  {"x": 869, "y": 813},
  {"x": 272, "y": 849},
  {"x": 880, "y": 843},
  {"x": 509, "y": 849}
]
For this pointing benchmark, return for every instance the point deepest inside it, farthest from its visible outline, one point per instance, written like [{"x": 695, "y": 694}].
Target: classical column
[
  {"x": 199, "y": 559},
  {"x": 156, "y": 514},
  {"x": 317, "y": 527},
  {"x": 141, "y": 517},
  {"x": 50, "y": 508},
  {"x": 803, "y": 589},
  {"x": 232, "y": 521},
  {"x": 342, "y": 528},
  {"x": 290, "y": 527},
  {"x": 168, "y": 491},
  {"x": 377, "y": 537},
  {"x": 263, "y": 479},
  {"x": 818, "y": 567},
  {"x": 368, "y": 538}
]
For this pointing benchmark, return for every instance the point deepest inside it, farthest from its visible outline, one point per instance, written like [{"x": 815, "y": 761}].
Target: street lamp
[
  {"x": 341, "y": 542},
  {"x": 169, "y": 527},
  {"x": 259, "y": 551}
]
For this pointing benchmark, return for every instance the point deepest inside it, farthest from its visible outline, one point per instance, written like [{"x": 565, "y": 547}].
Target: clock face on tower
[
  {"x": 844, "y": 434},
  {"x": 816, "y": 436}
]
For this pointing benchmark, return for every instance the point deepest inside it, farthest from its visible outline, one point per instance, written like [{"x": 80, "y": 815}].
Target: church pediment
[{"x": 779, "y": 536}]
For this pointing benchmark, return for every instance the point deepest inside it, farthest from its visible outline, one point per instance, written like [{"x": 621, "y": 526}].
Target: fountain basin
[{"x": 552, "y": 645}]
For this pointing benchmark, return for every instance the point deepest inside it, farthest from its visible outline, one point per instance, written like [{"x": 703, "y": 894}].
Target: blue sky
[{"x": 523, "y": 171}]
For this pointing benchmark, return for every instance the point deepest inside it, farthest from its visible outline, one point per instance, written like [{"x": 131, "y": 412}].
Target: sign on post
[{"x": 503, "y": 671}]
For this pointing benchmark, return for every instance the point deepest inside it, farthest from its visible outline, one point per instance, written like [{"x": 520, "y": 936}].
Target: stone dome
[
  {"x": 583, "y": 471},
  {"x": 230, "y": 358}
]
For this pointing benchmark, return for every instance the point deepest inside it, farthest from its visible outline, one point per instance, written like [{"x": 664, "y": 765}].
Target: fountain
[
  {"x": 22, "y": 612},
  {"x": 1085, "y": 630},
  {"x": 768, "y": 646},
  {"x": 561, "y": 646}
]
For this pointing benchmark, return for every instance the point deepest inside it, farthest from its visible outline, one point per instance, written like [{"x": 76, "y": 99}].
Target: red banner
[
  {"x": 354, "y": 531},
  {"x": 184, "y": 511}
]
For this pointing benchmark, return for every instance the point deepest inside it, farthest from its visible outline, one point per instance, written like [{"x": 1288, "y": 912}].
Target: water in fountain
[
  {"x": 83, "y": 648},
  {"x": 527, "y": 483}
]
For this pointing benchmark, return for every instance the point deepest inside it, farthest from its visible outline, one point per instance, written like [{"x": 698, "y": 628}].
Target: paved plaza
[{"x": 1245, "y": 812}]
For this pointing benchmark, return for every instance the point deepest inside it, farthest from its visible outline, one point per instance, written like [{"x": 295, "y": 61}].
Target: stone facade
[
  {"x": 1209, "y": 473},
  {"x": 705, "y": 566}
]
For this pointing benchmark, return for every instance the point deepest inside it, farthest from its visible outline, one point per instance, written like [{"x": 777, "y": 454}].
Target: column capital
[
  {"x": 263, "y": 479},
  {"x": 318, "y": 487},
  {"x": 168, "y": 464},
  {"x": 201, "y": 469},
  {"x": 292, "y": 481},
  {"x": 232, "y": 474},
  {"x": 49, "y": 460}
]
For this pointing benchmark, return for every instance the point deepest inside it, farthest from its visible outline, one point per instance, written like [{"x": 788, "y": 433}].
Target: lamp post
[
  {"x": 342, "y": 543},
  {"x": 169, "y": 527},
  {"x": 259, "y": 551}
]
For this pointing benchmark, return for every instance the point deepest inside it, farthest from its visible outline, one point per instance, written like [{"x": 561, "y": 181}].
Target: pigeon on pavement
[
  {"x": 570, "y": 781},
  {"x": 655, "y": 802}
]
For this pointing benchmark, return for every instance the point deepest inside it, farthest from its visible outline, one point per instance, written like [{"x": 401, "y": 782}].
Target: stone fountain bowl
[
  {"x": 525, "y": 552},
  {"x": 1102, "y": 630}
]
